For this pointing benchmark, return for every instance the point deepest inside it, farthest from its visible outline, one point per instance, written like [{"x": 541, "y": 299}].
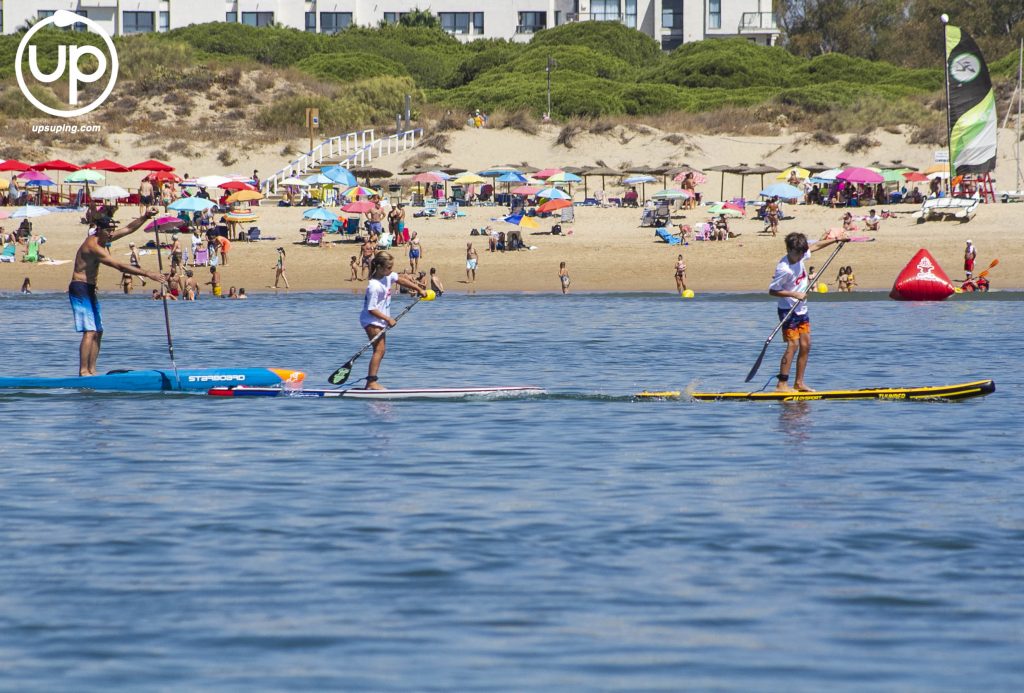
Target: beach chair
[
  {"x": 32, "y": 254},
  {"x": 385, "y": 241},
  {"x": 666, "y": 235},
  {"x": 351, "y": 225},
  {"x": 315, "y": 238},
  {"x": 648, "y": 217},
  {"x": 253, "y": 233},
  {"x": 416, "y": 199},
  {"x": 590, "y": 202},
  {"x": 202, "y": 257},
  {"x": 702, "y": 232},
  {"x": 8, "y": 253},
  {"x": 452, "y": 211},
  {"x": 486, "y": 192},
  {"x": 568, "y": 215},
  {"x": 459, "y": 194},
  {"x": 430, "y": 207}
]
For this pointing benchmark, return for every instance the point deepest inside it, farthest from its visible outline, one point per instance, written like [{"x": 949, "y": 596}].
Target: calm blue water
[{"x": 161, "y": 542}]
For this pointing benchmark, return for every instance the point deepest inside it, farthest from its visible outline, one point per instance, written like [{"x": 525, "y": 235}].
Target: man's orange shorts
[{"x": 795, "y": 326}]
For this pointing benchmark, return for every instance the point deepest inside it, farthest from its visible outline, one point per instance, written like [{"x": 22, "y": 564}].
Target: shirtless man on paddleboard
[{"x": 82, "y": 290}]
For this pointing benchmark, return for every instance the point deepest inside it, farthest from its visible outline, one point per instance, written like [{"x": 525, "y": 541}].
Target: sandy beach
[{"x": 606, "y": 250}]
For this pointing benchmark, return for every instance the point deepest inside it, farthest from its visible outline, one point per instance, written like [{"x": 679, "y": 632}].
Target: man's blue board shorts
[{"x": 85, "y": 306}]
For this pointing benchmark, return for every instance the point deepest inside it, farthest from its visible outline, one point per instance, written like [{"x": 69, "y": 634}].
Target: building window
[
  {"x": 605, "y": 10},
  {"x": 530, "y": 22},
  {"x": 311, "y": 21},
  {"x": 333, "y": 22},
  {"x": 714, "y": 14},
  {"x": 43, "y": 14},
  {"x": 462, "y": 22},
  {"x": 165, "y": 21},
  {"x": 136, "y": 22},
  {"x": 630, "y": 18},
  {"x": 672, "y": 15},
  {"x": 393, "y": 17},
  {"x": 231, "y": 17},
  {"x": 258, "y": 18}
]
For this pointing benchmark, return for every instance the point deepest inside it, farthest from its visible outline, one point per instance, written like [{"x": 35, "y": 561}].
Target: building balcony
[
  {"x": 758, "y": 22},
  {"x": 595, "y": 17}
]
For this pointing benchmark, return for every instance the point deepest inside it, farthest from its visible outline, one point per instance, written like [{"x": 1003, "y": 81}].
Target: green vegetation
[{"x": 359, "y": 76}]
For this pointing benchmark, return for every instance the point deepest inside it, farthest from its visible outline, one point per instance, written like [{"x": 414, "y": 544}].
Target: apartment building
[{"x": 670, "y": 22}]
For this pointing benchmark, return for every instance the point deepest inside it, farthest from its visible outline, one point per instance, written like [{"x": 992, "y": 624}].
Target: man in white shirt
[{"x": 790, "y": 285}]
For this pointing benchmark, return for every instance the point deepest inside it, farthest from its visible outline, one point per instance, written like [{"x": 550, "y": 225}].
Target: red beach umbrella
[
  {"x": 151, "y": 165},
  {"x": 235, "y": 185},
  {"x": 161, "y": 176},
  {"x": 546, "y": 173},
  {"x": 107, "y": 165},
  {"x": 14, "y": 165},
  {"x": 55, "y": 165},
  {"x": 916, "y": 177}
]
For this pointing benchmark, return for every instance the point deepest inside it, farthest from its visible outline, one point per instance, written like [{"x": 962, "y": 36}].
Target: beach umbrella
[
  {"x": 245, "y": 196},
  {"x": 672, "y": 194},
  {"x": 546, "y": 173},
  {"x": 726, "y": 208},
  {"x": 759, "y": 170},
  {"x": 915, "y": 177},
  {"x": 211, "y": 181},
  {"x": 152, "y": 165},
  {"x": 553, "y": 193},
  {"x": 937, "y": 168},
  {"x": 238, "y": 216},
  {"x": 32, "y": 175},
  {"x": 55, "y": 165},
  {"x": 84, "y": 176},
  {"x": 190, "y": 204},
  {"x": 511, "y": 177},
  {"x": 358, "y": 191},
  {"x": 318, "y": 179},
  {"x": 801, "y": 173},
  {"x": 698, "y": 176},
  {"x": 370, "y": 172},
  {"x": 163, "y": 177},
  {"x": 892, "y": 175},
  {"x": 358, "y": 207},
  {"x": 564, "y": 177},
  {"x": 320, "y": 213},
  {"x": 29, "y": 212},
  {"x": 109, "y": 192},
  {"x": 106, "y": 165},
  {"x": 4, "y": 184},
  {"x": 723, "y": 169},
  {"x": 235, "y": 185},
  {"x": 292, "y": 180},
  {"x": 429, "y": 177},
  {"x": 855, "y": 174},
  {"x": 522, "y": 221},
  {"x": 470, "y": 179},
  {"x": 166, "y": 223},
  {"x": 340, "y": 175},
  {"x": 783, "y": 191},
  {"x": 14, "y": 165},
  {"x": 497, "y": 172},
  {"x": 526, "y": 190},
  {"x": 552, "y": 205},
  {"x": 826, "y": 176},
  {"x": 640, "y": 179}
]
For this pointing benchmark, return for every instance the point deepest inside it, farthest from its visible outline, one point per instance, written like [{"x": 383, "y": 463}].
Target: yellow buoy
[
  {"x": 431, "y": 295},
  {"x": 823, "y": 288},
  {"x": 687, "y": 294}
]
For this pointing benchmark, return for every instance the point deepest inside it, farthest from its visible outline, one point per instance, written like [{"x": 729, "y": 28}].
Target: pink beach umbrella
[
  {"x": 546, "y": 173},
  {"x": 165, "y": 224},
  {"x": 860, "y": 175},
  {"x": 358, "y": 207},
  {"x": 526, "y": 190},
  {"x": 34, "y": 176},
  {"x": 428, "y": 177}
]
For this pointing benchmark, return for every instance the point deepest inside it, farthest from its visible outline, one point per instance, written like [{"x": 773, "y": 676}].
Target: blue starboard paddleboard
[
  {"x": 384, "y": 395},
  {"x": 160, "y": 380}
]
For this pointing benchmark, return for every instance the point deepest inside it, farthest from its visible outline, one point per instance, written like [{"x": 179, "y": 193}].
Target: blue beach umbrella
[
  {"x": 340, "y": 175},
  {"x": 29, "y": 212},
  {"x": 783, "y": 191},
  {"x": 634, "y": 180},
  {"x": 190, "y": 204},
  {"x": 319, "y": 213},
  {"x": 509, "y": 177},
  {"x": 318, "y": 179},
  {"x": 553, "y": 194}
]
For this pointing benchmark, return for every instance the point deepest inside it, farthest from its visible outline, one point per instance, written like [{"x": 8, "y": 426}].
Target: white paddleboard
[{"x": 386, "y": 395}]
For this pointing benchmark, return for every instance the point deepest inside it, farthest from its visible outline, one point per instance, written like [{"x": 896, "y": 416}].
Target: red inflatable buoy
[{"x": 922, "y": 280}]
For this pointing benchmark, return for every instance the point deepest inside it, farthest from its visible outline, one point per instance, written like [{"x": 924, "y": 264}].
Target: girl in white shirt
[{"x": 376, "y": 314}]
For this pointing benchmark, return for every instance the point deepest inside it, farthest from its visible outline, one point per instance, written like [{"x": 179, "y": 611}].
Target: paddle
[
  {"x": 339, "y": 376},
  {"x": 163, "y": 296},
  {"x": 813, "y": 282},
  {"x": 989, "y": 269}
]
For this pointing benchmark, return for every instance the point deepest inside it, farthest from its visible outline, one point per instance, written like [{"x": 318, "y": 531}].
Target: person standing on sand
[
  {"x": 415, "y": 252},
  {"x": 376, "y": 314},
  {"x": 82, "y": 290},
  {"x": 563, "y": 277},
  {"x": 680, "y": 274},
  {"x": 145, "y": 194},
  {"x": 471, "y": 262},
  {"x": 790, "y": 285},
  {"x": 279, "y": 269},
  {"x": 772, "y": 214},
  {"x": 353, "y": 265},
  {"x": 969, "y": 255},
  {"x": 367, "y": 250}
]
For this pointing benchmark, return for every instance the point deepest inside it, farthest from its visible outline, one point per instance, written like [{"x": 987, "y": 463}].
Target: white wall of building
[{"x": 501, "y": 17}]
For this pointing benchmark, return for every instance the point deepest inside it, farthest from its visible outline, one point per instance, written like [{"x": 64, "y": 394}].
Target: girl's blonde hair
[{"x": 381, "y": 259}]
